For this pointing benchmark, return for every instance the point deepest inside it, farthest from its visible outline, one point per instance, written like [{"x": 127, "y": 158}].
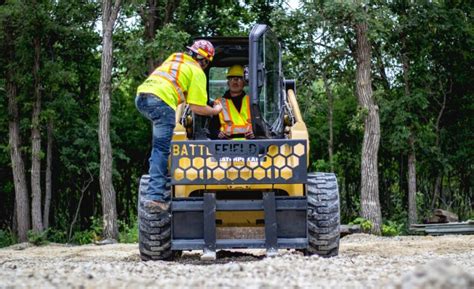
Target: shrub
[
  {"x": 90, "y": 235},
  {"x": 128, "y": 234},
  {"x": 38, "y": 238},
  {"x": 365, "y": 225},
  {"x": 56, "y": 236},
  {"x": 391, "y": 228},
  {"x": 7, "y": 238}
]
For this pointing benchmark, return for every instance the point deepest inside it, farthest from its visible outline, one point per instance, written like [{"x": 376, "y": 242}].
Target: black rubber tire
[
  {"x": 154, "y": 230},
  {"x": 323, "y": 215}
]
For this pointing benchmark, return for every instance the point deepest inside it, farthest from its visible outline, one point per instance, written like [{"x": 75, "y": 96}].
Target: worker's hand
[
  {"x": 217, "y": 108},
  {"x": 249, "y": 135},
  {"x": 222, "y": 135}
]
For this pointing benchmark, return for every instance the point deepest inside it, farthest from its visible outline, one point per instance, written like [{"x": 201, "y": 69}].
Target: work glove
[
  {"x": 223, "y": 135},
  {"x": 249, "y": 135}
]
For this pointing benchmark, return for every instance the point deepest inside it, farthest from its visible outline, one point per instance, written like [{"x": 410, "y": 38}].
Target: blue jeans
[{"x": 163, "y": 119}]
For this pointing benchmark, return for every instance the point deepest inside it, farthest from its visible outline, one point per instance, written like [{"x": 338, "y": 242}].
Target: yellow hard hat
[{"x": 235, "y": 70}]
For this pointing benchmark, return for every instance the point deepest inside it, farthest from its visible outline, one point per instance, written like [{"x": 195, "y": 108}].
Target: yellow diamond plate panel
[
  {"x": 259, "y": 173},
  {"x": 211, "y": 163},
  {"x": 293, "y": 161},
  {"x": 286, "y": 173},
  {"x": 267, "y": 163},
  {"x": 272, "y": 150},
  {"x": 198, "y": 162},
  {"x": 299, "y": 149},
  {"x": 178, "y": 174},
  {"x": 285, "y": 150},
  {"x": 279, "y": 161},
  {"x": 232, "y": 174},
  {"x": 238, "y": 162},
  {"x": 191, "y": 174},
  {"x": 218, "y": 174},
  {"x": 184, "y": 163},
  {"x": 252, "y": 163},
  {"x": 245, "y": 174}
]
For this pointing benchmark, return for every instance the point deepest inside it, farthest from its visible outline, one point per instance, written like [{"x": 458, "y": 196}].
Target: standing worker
[
  {"x": 234, "y": 121},
  {"x": 180, "y": 78}
]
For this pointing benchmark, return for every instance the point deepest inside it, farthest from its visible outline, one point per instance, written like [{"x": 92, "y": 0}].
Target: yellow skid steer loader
[{"x": 228, "y": 194}]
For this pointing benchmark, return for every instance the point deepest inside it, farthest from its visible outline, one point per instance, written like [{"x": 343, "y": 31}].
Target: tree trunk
[
  {"x": 153, "y": 19},
  {"x": 149, "y": 18},
  {"x": 109, "y": 207},
  {"x": 14, "y": 221},
  {"x": 437, "y": 185},
  {"x": 436, "y": 191},
  {"x": 37, "y": 219},
  {"x": 49, "y": 158},
  {"x": 466, "y": 187},
  {"x": 370, "y": 204},
  {"x": 330, "y": 120},
  {"x": 22, "y": 202},
  {"x": 412, "y": 208},
  {"x": 170, "y": 8}
]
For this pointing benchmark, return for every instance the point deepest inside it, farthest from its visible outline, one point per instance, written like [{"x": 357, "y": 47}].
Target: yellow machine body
[{"x": 283, "y": 158}]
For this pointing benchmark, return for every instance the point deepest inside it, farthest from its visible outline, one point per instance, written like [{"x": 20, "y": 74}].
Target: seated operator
[{"x": 234, "y": 121}]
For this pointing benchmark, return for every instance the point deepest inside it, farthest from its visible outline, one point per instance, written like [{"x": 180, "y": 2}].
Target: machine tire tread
[
  {"x": 154, "y": 235},
  {"x": 323, "y": 215}
]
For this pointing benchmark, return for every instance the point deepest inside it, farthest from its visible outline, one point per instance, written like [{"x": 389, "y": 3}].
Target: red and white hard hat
[{"x": 203, "y": 48}]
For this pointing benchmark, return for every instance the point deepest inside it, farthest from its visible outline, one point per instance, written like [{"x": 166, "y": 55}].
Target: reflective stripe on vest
[
  {"x": 233, "y": 122},
  {"x": 172, "y": 74},
  {"x": 173, "y": 81},
  {"x": 175, "y": 64}
]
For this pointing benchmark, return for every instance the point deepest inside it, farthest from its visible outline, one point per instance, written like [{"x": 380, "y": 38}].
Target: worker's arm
[{"x": 206, "y": 110}]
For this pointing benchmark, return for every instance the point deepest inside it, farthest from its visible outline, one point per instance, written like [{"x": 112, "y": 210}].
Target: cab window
[
  {"x": 269, "y": 92},
  {"x": 217, "y": 82}
]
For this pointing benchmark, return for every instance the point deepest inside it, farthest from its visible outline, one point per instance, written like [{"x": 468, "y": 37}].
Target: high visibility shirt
[
  {"x": 233, "y": 121},
  {"x": 179, "y": 79}
]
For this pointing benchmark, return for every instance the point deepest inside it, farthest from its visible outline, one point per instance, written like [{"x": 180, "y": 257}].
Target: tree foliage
[{"x": 433, "y": 40}]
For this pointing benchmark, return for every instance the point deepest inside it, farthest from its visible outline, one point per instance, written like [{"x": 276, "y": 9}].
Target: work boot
[{"x": 156, "y": 206}]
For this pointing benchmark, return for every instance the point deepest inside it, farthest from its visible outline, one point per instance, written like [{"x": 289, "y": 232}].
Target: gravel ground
[{"x": 364, "y": 261}]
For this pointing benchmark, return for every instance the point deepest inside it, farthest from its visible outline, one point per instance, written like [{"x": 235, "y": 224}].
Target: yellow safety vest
[
  {"x": 180, "y": 78},
  {"x": 232, "y": 121}
]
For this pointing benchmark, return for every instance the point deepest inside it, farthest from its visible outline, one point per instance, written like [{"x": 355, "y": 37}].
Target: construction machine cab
[{"x": 260, "y": 55}]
